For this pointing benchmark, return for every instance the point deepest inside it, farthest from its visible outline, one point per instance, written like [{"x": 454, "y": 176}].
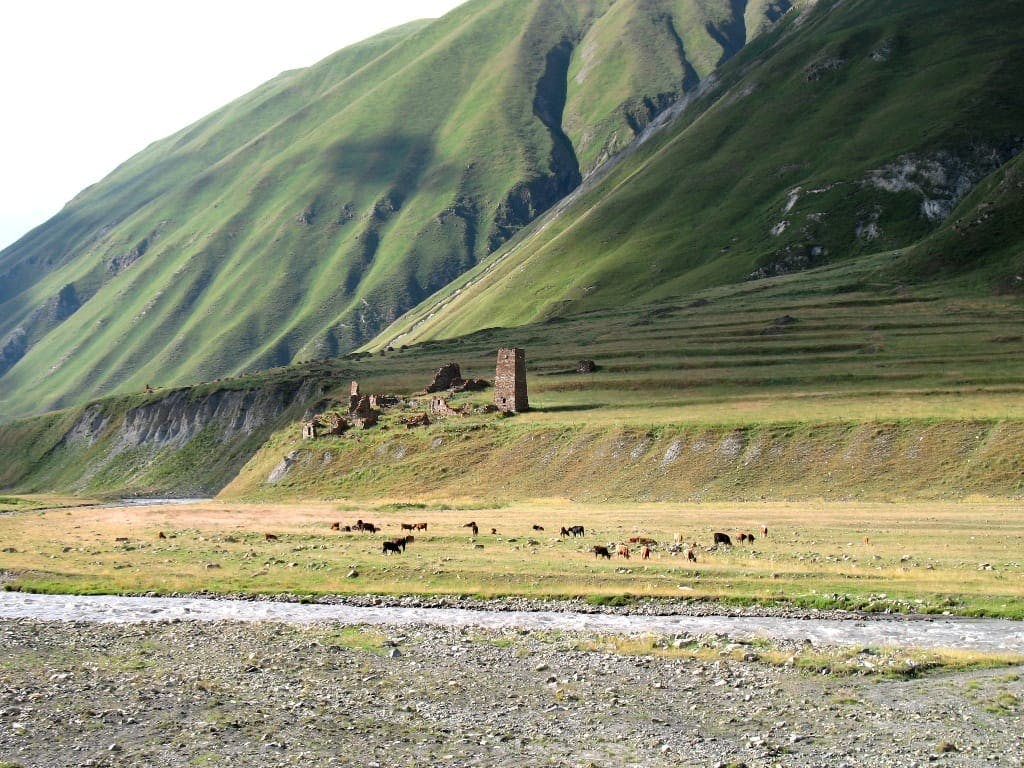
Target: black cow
[
  {"x": 393, "y": 546},
  {"x": 600, "y": 551},
  {"x": 723, "y": 538}
]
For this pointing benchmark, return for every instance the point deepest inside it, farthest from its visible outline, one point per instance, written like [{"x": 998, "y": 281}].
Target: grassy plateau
[{"x": 959, "y": 558}]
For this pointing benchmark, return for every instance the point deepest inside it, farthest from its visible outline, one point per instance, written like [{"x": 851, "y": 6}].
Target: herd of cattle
[{"x": 398, "y": 544}]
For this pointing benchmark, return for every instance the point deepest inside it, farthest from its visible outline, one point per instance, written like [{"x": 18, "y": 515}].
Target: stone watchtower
[{"x": 510, "y": 381}]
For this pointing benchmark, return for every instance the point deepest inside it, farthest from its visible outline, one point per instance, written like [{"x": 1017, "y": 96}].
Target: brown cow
[
  {"x": 623, "y": 551},
  {"x": 645, "y": 553},
  {"x": 600, "y": 551},
  {"x": 270, "y": 536},
  {"x": 161, "y": 535},
  {"x": 745, "y": 537},
  {"x": 691, "y": 556},
  {"x": 764, "y": 531},
  {"x": 642, "y": 540},
  {"x": 335, "y": 526},
  {"x": 472, "y": 526},
  {"x": 539, "y": 527},
  {"x": 421, "y": 526},
  {"x": 408, "y": 526},
  {"x": 494, "y": 531}
]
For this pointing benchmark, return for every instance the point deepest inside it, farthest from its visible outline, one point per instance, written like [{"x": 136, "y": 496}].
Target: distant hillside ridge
[
  {"x": 301, "y": 219},
  {"x": 847, "y": 131}
]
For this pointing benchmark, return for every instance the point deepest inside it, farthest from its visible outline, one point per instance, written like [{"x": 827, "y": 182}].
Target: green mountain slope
[
  {"x": 851, "y": 129},
  {"x": 300, "y": 220}
]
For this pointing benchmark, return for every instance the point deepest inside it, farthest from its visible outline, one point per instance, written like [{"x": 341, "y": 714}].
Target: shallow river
[{"x": 930, "y": 632}]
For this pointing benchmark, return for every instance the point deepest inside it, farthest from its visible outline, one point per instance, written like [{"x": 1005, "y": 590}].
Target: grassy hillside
[
  {"x": 851, "y": 129},
  {"x": 834, "y": 383},
  {"x": 298, "y": 221}
]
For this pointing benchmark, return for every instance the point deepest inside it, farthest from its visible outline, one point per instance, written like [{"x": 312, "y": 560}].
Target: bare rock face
[{"x": 446, "y": 377}]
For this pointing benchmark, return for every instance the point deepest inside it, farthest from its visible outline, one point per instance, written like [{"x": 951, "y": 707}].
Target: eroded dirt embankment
[
  {"x": 185, "y": 442},
  {"x": 502, "y": 460}
]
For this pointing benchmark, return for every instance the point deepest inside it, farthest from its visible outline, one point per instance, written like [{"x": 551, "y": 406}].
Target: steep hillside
[
  {"x": 850, "y": 129},
  {"x": 298, "y": 221}
]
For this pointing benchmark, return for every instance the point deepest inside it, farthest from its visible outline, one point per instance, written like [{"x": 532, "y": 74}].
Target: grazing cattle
[
  {"x": 867, "y": 540},
  {"x": 347, "y": 528},
  {"x": 400, "y": 542},
  {"x": 390, "y": 546},
  {"x": 494, "y": 531},
  {"x": 472, "y": 526},
  {"x": 270, "y": 536},
  {"x": 408, "y": 539},
  {"x": 645, "y": 553},
  {"x": 623, "y": 551},
  {"x": 691, "y": 556},
  {"x": 576, "y": 530},
  {"x": 161, "y": 535},
  {"x": 421, "y": 526},
  {"x": 540, "y": 528},
  {"x": 642, "y": 540},
  {"x": 722, "y": 538},
  {"x": 335, "y": 526},
  {"x": 764, "y": 531},
  {"x": 745, "y": 537},
  {"x": 408, "y": 526},
  {"x": 600, "y": 551},
  {"x": 564, "y": 531}
]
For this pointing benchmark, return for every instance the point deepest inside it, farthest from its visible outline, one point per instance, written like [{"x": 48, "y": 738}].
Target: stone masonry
[{"x": 510, "y": 381}]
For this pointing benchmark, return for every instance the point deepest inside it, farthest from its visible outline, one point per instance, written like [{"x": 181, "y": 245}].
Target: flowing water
[{"x": 922, "y": 632}]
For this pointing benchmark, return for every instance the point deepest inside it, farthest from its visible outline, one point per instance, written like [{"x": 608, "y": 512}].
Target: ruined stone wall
[{"x": 510, "y": 381}]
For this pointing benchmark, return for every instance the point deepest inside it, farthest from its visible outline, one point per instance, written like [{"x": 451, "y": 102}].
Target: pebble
[{"x": 179, "y": 693}]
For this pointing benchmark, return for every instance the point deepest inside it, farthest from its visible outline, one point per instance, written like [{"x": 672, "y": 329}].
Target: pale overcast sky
[{"x": 85, "y": 84}]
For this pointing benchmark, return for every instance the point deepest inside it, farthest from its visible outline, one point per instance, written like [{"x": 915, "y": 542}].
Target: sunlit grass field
[{"x": 960, "y": 558}]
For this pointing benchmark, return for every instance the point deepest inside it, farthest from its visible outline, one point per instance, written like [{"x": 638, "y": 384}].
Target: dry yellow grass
[
  {"x": 956, "y": 557},
  {"x": 884, "y": 661}
]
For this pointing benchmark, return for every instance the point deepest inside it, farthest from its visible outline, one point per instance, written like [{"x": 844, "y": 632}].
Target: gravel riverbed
[{"x": 185, "y": 693}]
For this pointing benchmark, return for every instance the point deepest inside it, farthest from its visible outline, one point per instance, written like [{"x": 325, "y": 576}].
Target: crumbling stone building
[{"x": 510, "y": 381}]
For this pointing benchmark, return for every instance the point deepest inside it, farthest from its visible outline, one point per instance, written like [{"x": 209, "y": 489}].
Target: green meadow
[{"x": 957, "y": 558}]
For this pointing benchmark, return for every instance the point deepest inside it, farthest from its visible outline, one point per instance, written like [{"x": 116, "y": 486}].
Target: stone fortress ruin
[
  {"x": 510, "y": 381},
  {"x": 363, "y": 410}
]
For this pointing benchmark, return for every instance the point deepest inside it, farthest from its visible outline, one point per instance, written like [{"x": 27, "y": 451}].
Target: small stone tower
[{"x": 510, "y": 381}]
